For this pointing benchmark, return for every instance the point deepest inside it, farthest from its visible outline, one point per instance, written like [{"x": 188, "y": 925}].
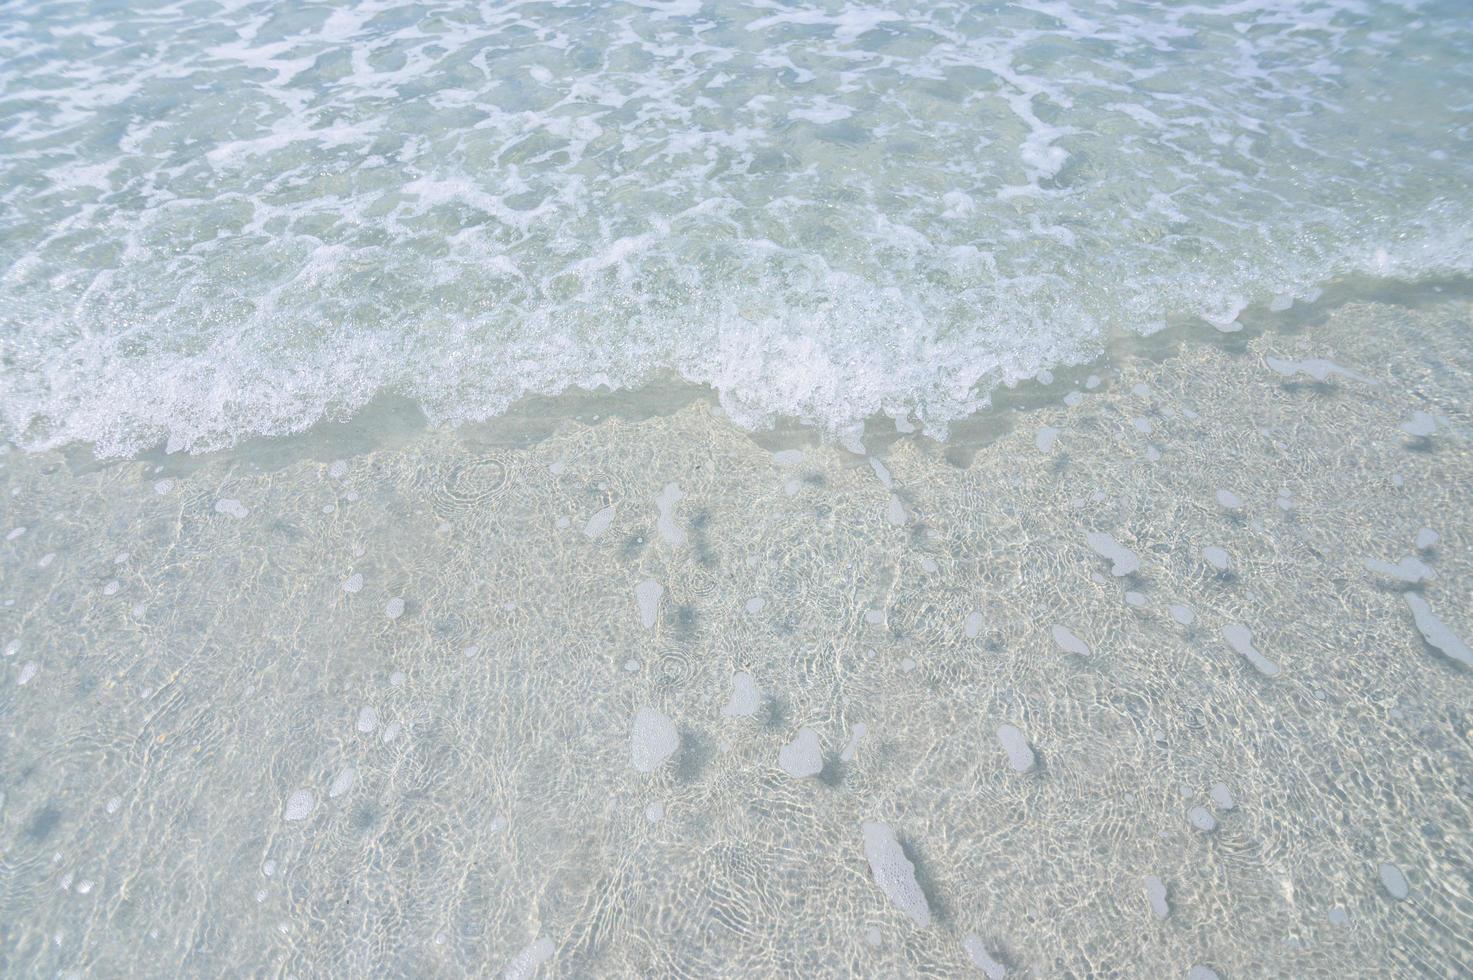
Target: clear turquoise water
[{"x": 231, "y": 219}]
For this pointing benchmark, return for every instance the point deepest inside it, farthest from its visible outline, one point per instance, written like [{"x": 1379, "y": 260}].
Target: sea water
[
  {"x": 683, "y": 489},
  {"x": 229, "y": 219}
]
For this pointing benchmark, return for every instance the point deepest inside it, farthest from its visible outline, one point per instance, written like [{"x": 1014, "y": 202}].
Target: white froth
[
  {"x": 1437, "y": 634},
  {"x": 1410, "y": 570},
  {"x": 1068, "y": 642},
  {"x": 803, "y": 756},
  {"x": 599, "y": 522},
  {"x": 1240, "y": 638},
  {"x": 341, "y": 783},
  {"x": 1156, "y": 896},
  {"x": 1015, "y": 744},
  {"x": 524, "y": 965},
  {"x": 1394, "y": 881},
  {"x": 652, "y": 739},
  {"x": 894, "y": 873},
  {"x": 232, "y": 507},
  {"x": 647, "y": 600},
  {"x": 983, "y": 959},
  {"x": 1216, "y": 557},
  {"x": 1123, "y": 560},
  {"x": 672, "y": 533},
  {"x": 1420, "y": 426},
  {"x": 746, "y": 696},
  {"x": 299, "y": 805}
]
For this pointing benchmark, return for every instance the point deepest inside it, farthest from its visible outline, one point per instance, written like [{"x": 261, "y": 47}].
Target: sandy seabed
[{"x": 1160, "y": 668}]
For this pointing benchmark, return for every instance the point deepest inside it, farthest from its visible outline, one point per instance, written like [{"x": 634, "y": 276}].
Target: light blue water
[{"x": 223, "y": 219}]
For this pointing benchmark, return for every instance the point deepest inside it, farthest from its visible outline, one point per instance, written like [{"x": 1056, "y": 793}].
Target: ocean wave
[{"x": 822, "y": 211}]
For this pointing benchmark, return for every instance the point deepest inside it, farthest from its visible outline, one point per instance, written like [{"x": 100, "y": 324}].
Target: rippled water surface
[
  {"x": 223, "y": 219},
  {"x": 933, "y": 489}
]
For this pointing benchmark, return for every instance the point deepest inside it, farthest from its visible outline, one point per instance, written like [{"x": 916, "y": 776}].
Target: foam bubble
[
  {"x": 1315, "y": 368},
  {"x": 1045, "y": 438},
  {"x": 394, "y": 608},
  {"x": 1156, "y": 896},
  {"x": 982, "y": 959},
  {"x": 1068, "y": 642},
  {"x": 746, "y": 696},
  {"x": 1240, "y": 638},
  {"x": 1202, "y": 819},
  {"x": 1216, "y": 557},
  {"x": 895, "y": 512},
  {"x": 894, "y": 873},
  {"x": 1410, "y": 570},
  {"x": 342, "y": 782},
  {"x": 1394, "y": 881},
  {"x": 1426, "y": 539},
  {"x": 652, "y": 739},
  {"x": 525, "y": 964},
  {"x": 1124, "y": 561},
  {"x": 1436, "y": 633},
  {"x": 672, "y": 533},
  {"x": 1183, "y": 614},
  {"x": 851, "y": 748},
  {"x": 1019, "y": 752},
  {"x": 299, "y": 805},
  {"x": 599, "y": 523},
  {"x": 803, "y": 756},
  {"x": 1420, "y": 426},
  {"x": 647, "y": 599},
  {"x": 232, "y": 507}
]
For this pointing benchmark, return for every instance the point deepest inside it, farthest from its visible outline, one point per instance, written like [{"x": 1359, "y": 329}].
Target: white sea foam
[{"x": 259, "y": 263}]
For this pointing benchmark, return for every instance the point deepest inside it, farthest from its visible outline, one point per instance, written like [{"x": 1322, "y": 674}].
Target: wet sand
[{"x": 1156, "y": 666}]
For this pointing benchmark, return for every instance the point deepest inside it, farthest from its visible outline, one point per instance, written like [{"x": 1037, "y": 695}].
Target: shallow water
[
  {"x": 623, "y": 690},
  {"x": 227, "y": 218}
]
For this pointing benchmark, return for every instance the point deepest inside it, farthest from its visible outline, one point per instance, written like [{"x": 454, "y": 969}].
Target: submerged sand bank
[{"x": 1135, "y": 680}]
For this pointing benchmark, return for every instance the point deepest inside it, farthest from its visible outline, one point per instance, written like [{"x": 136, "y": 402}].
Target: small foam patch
[
  {"x": 1123, "y": 560},
  {"x": 652, "y": 739},
  {"x": 1240, "y": 638},
  {"x": 1070, "y": 643},
  {"x": 746, "y": 696},
  {"x": 803, "y": 756},
  {"x": 894, "y": 873},
  {"x": 1020, "y": 753},
  {"x": 647, "y": 599},
  {"x": 1436, "y": 633},
  {"x": 599, "y": 523},
  {"x": 299, "y": 805}
]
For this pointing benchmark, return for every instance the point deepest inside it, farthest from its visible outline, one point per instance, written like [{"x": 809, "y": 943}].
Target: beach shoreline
[{"x": 1109, "y": 667}]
